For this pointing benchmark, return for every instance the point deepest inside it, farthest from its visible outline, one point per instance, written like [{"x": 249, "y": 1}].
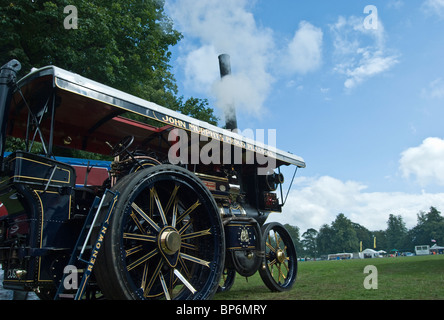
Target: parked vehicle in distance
[{"x": 422, "y": 250}]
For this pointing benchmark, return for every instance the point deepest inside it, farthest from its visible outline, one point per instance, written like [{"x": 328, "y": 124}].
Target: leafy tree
[
  {"x": 339, "y": 237},
  {"x": 324, "y": 240},
  {"x": 122, "y": 43},
  {"x": 309, "y": 242},
  {"x": 364, "y": 235},
  {"x": 396, "y": 233},
  {"x": 294, "y": 234},
  {"x": 430, "y": 226},
  {"x": 381, "y": 240},
  {"x": 345, "y": 239},
  {"x": 197, "y": 108}
]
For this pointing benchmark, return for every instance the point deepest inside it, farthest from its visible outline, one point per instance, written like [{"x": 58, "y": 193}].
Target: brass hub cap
[
  {"x": 170, "y": 241},
  {"x": 280, "y": 255}
]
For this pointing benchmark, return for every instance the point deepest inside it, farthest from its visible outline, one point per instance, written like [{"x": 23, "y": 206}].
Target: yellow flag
[
  {"x": 360, "y": 246},
  {"x": 374, "y": 242}
]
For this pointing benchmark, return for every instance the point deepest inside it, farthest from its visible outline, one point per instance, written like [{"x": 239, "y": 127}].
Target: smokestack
[{"x": 230, "y": 110}]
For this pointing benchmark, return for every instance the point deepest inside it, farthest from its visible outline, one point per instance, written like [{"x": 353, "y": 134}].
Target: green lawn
[{"x": 418, "y": 277}]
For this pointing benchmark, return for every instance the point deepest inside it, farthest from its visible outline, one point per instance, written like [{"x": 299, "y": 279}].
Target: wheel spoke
[
  {"x": 173, "y": 281},
  {"x": 186, "y": 226},
  {"x": 155, "y": 196},
  {"x": 189, "y": 246},
  {"x": 164, "y": 286},
  {"x": 270, "y": 246},
  {"x": 272, "y": 263},
  {"x": 142, "y": 259},
  {"x": 145, "y": 217},
  {"x": 277, "y": 239},
  {"x": 141, "y": 237},
  {"x": 188, "y": 211},
  {"x": 133, "y": 250},
  {"x": 153, "y": 278},
  {"x": 184, "y": 267},
  {"x": 172, "y": 198},
  {"x": 196, "y": 234},
  {"x": 285, "y": 265},
  {"x": 137, "y": 222},
  {"x": 281, "y": 273},
  {"x": 144, "y": 276},
  {"x": 174, "y": 214},
  {"x": 194, "y": 259},
  {"x": 184, "y": 281}
]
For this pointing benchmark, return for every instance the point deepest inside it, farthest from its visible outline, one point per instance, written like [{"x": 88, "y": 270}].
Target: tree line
[
  {"x": 125, "y": 44},
  {"x": 344, "y": 235}
]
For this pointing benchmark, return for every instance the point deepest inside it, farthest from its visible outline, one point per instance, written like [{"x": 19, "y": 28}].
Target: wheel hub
[
  {"x": 170, "y": 241},
  {"x": 280, "y": 256}
]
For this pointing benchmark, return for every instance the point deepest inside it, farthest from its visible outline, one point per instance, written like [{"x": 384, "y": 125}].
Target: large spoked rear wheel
[
  {"x": 280, "y": 269},
  {"x": 165, "y": 240}
]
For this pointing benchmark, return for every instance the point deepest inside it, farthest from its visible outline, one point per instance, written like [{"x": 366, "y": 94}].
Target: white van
[{"x": 422, "y": 250}]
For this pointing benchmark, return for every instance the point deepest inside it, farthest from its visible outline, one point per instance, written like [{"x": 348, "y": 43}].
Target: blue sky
[{"x": 362, "y": 103}]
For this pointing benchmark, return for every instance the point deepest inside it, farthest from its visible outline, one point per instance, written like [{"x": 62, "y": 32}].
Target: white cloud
[
  {"x": 370, "y": 65},
  {"x": 396, "y": 4},
  {"x": 241, "y": 91},
  {"x": 360, "y": 52},
  {"x": 434, "y": 7},
  {"x": 305, "y": 49},
  {"x": 435, "y": 90},
  {"x": 217, "y": 27},
  {"x": 425, "y": 162},
  {"x": 213, "y": 27},
  {"x": 317, "y": 201},
  {"x": 314, "y": 201},
  {"x": 200, "y": 67}
]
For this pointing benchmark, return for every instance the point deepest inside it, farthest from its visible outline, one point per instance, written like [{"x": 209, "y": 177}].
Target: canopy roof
[{"x": 88, "y": 113}]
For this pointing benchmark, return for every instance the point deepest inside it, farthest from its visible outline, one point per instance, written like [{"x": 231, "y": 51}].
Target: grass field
[{"x": 401, "y": 278}]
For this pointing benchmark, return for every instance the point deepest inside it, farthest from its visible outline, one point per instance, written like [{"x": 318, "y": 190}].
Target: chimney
[{"x": 230, "y": 110}]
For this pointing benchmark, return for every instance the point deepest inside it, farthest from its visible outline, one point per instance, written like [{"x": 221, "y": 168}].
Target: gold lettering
[
  {"x": 194, "y": 128},
  {"x": 175, "y": 122}
]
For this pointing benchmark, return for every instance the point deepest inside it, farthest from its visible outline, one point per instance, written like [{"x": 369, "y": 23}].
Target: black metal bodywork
[
  {"x": 44, "y": 208},
  {"x": 38, "y": 194}
]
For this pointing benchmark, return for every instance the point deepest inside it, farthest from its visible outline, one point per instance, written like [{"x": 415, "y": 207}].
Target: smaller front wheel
[{"x": 281, "y": 266}]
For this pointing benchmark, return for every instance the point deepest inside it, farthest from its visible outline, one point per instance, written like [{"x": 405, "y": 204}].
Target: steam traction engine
[{"x": 150, "y": 223}]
